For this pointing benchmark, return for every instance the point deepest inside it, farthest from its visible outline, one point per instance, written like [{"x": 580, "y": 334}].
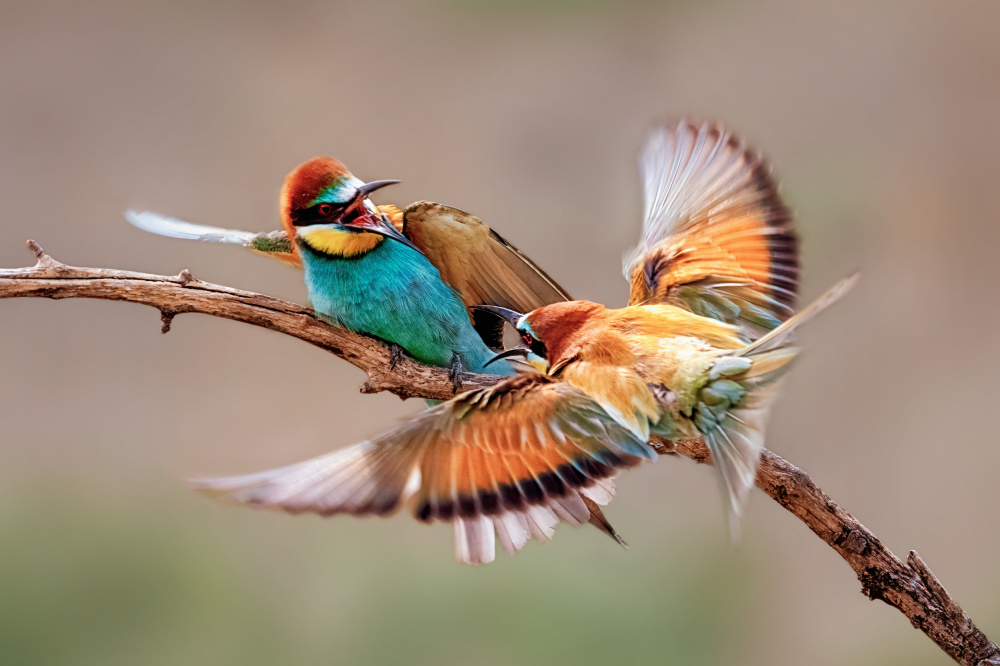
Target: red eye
[
  {"x": 326, "y": 210},
  {"x": 528, "y": 340}
]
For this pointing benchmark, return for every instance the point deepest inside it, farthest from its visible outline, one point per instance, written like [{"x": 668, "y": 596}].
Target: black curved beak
[
  {"x": 507, "y": 315},
  {"x": 384, "y": 228},
  {"x": 366, "y": 189},
  {"x": 516, "y": 351}
]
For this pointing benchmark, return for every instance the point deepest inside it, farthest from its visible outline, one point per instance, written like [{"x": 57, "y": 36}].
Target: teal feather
[{"x": 394, "y": 293}]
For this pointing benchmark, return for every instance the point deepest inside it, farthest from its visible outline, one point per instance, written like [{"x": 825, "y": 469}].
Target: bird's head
[
  {"x": 322, "y": 195},
  {"x": 551, "y": 336}
]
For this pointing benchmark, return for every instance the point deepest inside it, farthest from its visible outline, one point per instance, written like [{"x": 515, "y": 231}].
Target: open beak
[
  {"x": 509, "y": 316},
  {"x": 376, "y": 223}
]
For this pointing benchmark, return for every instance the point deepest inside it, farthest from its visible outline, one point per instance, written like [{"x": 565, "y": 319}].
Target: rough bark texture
[
  {"x": 910, "y": 587},
  {"x": 183, "y": 293}
]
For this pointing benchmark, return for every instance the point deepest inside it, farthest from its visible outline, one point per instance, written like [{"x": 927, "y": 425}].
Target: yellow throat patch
[{"x": 342, "y": 243}]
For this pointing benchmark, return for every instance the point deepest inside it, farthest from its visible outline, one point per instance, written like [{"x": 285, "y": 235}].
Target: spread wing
[
  {"x": 272, "y": 244},
  {"x": 479, "y": 264},
  {"x": 716, "y": 237},
  {"x": 507, "y": 463}
]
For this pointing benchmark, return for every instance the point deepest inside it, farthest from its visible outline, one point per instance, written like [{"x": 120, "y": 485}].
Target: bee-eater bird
[
  {"x": 695, "y": 356},
  {"x": 413, "y": 293}
]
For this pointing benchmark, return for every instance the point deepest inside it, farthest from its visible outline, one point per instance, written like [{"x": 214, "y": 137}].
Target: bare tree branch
[
  {"x": 183, "y": 293},
  {"x": 910, "y": 587}
]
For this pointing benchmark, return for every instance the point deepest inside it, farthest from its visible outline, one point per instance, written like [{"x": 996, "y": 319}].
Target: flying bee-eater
[
  {"x": 404, "y": 276},
  {"x": 696, "y": 355}
]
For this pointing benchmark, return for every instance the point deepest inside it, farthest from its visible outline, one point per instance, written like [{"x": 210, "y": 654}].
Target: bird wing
[
  {"x": 479, "y": 264},
  {"x": 717, "y": 239},
  {"x": 505, "y": 462},
  {"x": 273, "y": 244}
]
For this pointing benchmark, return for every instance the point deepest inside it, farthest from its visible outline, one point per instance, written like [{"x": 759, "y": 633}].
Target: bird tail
[
  {"x": 274, "y": 244},
  {"x": 780, "y": 334},
  {"x": 734, "y": 404}
]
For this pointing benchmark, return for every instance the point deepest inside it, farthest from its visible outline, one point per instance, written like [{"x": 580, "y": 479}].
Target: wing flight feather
[
  {"x": 716, "y": 238},
  {"x": 479, "y": 264},
  {"x": 507, "y": 462}
]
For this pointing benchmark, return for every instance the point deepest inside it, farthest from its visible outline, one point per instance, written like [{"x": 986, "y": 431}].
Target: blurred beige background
[{"x": 881, "y": 119}]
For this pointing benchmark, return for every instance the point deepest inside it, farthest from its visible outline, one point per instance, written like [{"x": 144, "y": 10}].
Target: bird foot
[
  {"x": 455, "y": 372},
  {"x": 395, "y": 353}
]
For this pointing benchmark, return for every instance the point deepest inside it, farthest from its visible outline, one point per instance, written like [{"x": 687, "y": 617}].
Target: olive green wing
[{"x": 480, "y": 264}]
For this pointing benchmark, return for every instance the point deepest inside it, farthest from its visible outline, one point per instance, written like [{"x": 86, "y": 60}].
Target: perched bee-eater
[
  {"x": 695, "y": 356},
  {"x": 410, "y": 284}
]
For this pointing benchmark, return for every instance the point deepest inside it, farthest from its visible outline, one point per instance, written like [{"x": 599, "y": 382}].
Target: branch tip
[
  {"x": 36, "y": 249},
  {"x": 927, "y": 576}
]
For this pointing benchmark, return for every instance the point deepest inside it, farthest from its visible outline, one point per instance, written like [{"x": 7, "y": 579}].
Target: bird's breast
[{"x": 396, "y": 294}]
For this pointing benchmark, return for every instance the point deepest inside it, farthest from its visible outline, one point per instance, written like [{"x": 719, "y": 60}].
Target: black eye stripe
[{"x": 306, "y": 216}]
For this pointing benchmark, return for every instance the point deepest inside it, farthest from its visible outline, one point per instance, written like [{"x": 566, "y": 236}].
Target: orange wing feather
[
  {"x": 511, "y": 460},
  {"x": 717, "y": 238}
]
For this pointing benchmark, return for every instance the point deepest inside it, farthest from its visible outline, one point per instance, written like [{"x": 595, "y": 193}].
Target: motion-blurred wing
[
  {"x": 479, "y": 264},
  {"x": 273, "y": 244},
  {"x": 716, "y": 238},
  {"x": 507, "y": 463}
]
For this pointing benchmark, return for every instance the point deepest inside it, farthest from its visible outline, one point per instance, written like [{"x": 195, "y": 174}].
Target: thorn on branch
[
  {"x": 36, "y": 249},
  {"x": 185, "y": 277},
  {"x": 166, "y": 318},
  {"x": 44, "y": 260}
]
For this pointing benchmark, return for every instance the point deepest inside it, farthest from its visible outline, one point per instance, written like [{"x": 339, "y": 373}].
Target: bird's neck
[{"x": 339, "y": 243}]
